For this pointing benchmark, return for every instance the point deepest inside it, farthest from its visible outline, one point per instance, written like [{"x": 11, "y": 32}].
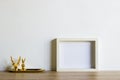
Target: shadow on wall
[
  {"x": 5, "y": 65},
  {"x": 53, "y": 55}
]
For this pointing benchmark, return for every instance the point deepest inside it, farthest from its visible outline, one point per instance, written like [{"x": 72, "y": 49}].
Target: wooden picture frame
[{"x": 75, "y": 54}]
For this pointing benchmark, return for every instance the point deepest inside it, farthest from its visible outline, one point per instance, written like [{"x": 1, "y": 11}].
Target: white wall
[{"x": 28, "y": 26}]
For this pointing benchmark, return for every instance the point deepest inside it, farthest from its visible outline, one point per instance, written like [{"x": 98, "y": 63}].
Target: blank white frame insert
[{"x": 76, "y": 54}]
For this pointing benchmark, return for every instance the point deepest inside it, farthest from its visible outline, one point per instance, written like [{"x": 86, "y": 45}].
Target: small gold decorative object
[
  {"x": 23, "y": 65},
  {"x": 28, "y": 71},
  {"x": 15, "y": 64}
]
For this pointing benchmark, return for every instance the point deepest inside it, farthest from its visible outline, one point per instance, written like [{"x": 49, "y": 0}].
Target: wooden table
[{"x": 110, "y": 75}]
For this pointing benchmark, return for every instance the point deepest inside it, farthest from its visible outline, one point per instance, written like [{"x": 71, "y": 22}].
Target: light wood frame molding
[{"x": 93, "y": 53}]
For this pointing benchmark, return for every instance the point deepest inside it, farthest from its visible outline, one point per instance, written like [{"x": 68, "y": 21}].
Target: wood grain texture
[{"x": 115, "y": 75}]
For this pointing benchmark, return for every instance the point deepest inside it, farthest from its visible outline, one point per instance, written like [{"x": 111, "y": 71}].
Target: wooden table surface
[{"x": 108, "y": 75}]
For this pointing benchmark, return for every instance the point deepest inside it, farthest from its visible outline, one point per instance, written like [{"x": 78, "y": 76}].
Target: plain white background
[
  {"x": 74, "y": 55},
  {"x": 28, "y": 26}
]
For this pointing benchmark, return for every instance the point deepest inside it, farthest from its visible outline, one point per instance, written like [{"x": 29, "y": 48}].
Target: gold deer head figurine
[{"x": 15, "y": 64}]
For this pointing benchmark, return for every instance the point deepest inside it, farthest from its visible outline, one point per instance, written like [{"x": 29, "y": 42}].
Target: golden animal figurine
[
  {"x": 15, "y": 64},
  {"x": 23, "y": 65}
]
